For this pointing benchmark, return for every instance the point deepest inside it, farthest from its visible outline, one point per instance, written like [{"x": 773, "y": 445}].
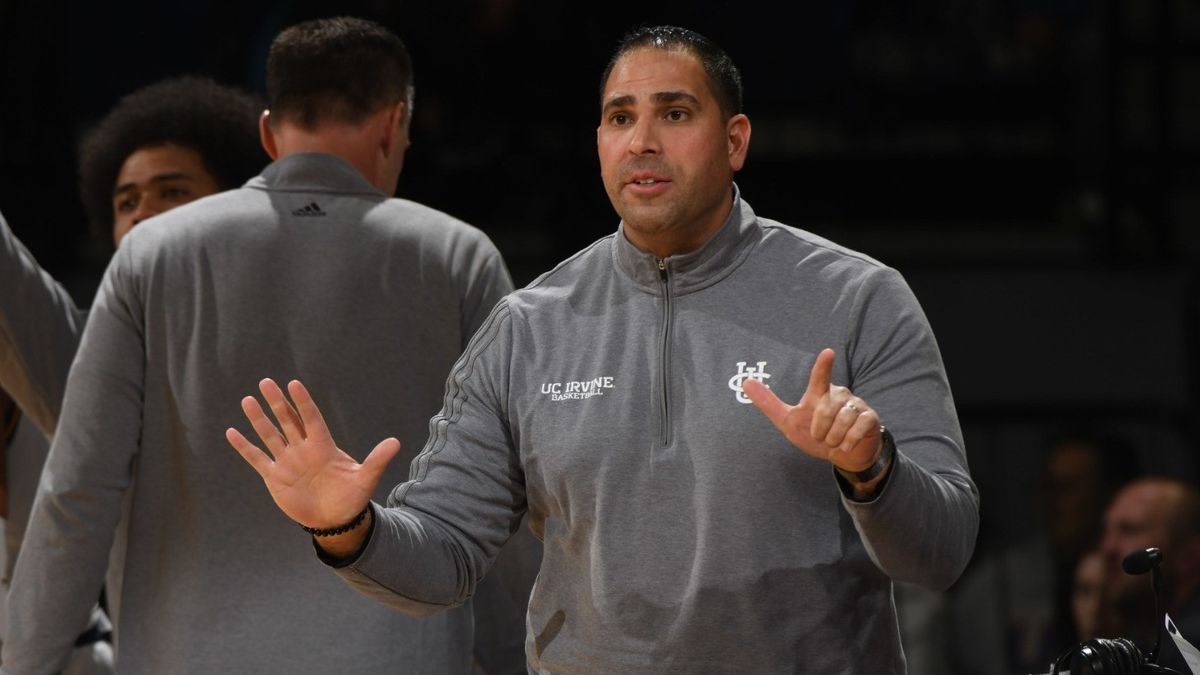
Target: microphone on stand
[
  {"x": 1140, "y": 562},
  {"x": 1119, "y": 656}
]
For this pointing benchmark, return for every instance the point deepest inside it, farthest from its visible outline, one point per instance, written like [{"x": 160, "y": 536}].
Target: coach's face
[
  {"x": 667, "y": 153},
  {"x": 154, "y": 179}
]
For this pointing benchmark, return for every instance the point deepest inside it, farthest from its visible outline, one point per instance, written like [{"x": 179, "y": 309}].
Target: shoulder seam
[
  {"x": 820, "y": 242},
  {"x": 578, "y": 254}
]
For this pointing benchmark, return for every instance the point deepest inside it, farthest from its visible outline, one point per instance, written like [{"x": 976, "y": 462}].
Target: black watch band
[{"x": 885, "y": 457}]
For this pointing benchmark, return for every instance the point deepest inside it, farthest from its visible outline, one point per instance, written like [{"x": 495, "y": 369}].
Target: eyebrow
[
  {"x": 657, "y": 97},
  {"x": 160, "y": 178}
]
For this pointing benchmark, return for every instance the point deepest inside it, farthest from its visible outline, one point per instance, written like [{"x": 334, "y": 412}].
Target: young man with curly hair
[{"x": 162, "y": 146}]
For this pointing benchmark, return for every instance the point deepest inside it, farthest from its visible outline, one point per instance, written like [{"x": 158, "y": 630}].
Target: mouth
[
  {"x": 646, "y": 178},
  {"x": 647, "y": 184}
]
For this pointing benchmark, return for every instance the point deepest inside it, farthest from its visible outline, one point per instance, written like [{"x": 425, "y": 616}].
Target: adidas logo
[{"x": 309, "y": 210}]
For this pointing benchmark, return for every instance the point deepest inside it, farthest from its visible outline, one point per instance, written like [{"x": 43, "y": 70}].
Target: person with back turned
[{"x": 370, "y": 296}]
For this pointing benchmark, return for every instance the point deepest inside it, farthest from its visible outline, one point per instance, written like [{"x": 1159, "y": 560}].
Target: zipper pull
[{"x": 662, "y": 269}]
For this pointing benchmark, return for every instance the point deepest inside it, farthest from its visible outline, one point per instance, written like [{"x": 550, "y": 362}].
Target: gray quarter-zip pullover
[{"x": 683, "y": 532}]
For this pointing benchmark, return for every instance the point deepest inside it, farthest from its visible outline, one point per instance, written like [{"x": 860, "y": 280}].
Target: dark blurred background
[{"x": 1031, "y": 166}]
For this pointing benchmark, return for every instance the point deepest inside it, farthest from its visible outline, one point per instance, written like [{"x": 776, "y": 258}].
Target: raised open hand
[
  {"x": 829, "y": 422},
  {"x": 310, "y": 479}
]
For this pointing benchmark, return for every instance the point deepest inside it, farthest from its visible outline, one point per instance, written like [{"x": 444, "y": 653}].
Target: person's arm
[
  {"x": 10, "y": 416},
  {"x": 79, "y": 501},
  {"x": 40, "y": 328},
  {"x": 500, "y": 600},
  {"x": 441, "y": 530},
  {"x": 918, "y": 512}
]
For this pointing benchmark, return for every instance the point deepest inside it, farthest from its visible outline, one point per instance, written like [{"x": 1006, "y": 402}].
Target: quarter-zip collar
[
  {"x": 698, "y": 269},
  {"x": 313, "y": 172}
]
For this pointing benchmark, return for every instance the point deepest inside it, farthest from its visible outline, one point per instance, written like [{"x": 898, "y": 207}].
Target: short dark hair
[
  {"x": 220, "y": 123},
  {"x": 341, "y": 69},
  {"x": 723, "y": 76}
]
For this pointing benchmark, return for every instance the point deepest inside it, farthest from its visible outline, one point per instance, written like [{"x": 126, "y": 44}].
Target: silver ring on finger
[{"x": 850, "y": 404}]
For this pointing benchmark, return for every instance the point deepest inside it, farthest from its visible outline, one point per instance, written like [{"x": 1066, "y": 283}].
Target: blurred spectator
[
  {"x": 1083, "y": 473},
  {"x": 1085, "y": 594},
  {"x": 1162, "y": 513},
  {"x": 1012, "y": 611}
]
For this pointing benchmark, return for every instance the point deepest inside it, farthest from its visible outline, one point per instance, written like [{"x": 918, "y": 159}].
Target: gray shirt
[
  {"x": 682, "y": 531},
  {"x": 39, "y": 332},
  {"x": 310, "y": 272},
  {"x": 40, "y": 327}
]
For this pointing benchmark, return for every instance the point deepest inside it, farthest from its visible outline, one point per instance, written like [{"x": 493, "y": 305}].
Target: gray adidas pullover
[
  {"x": 40, "y": 327},
  {"x": 307, "y": 272},
  {"x": 39, "y": 333},
  {"x": 682, "y": 532}
]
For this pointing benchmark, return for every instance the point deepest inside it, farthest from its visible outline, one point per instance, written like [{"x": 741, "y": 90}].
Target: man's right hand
[{"x": 312, "y": 481}]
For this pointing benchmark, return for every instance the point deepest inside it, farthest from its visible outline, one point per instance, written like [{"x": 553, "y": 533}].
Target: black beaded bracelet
[{"x": 340, "y": 529}]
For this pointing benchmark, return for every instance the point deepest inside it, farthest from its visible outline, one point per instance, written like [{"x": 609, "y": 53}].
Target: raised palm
[{"x": 308, "y": 476}]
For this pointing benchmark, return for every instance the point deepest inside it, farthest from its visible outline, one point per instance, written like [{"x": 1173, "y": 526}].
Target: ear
[
  {"x": 737, "y": 131},
  {"x": 395, "y": 129},
  {"x": 267, "y": 136}
]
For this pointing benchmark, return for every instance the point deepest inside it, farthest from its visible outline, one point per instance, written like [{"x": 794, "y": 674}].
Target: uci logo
[{"x": 744, "y": 373}]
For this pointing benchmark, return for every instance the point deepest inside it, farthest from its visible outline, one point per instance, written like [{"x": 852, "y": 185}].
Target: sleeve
[
  {"x": 501, "y": 598},
  {"x": 40, "y": 328},
  {"x": 486, "y": 281},
  {"x": 922, "y": 525},
  {"x": 465, "y": 497},
  {"x": 79, "y": 500}
]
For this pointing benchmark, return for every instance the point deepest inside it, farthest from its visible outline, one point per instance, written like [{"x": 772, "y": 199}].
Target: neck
[
  {"x": 342, "y": 141},
  {"x": 669, "y": 241},
  {"x": 357, "y": 145}
]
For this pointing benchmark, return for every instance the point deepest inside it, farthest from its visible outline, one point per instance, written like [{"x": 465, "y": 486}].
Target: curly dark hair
[
  {"x": 220, "y": 123},
  {"x": 723, "y": 76}
]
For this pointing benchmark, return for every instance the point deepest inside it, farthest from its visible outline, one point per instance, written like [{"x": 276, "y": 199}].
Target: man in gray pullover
[
  {"x": 684, "y": 530},
  {"x": 202, "y": 570}
]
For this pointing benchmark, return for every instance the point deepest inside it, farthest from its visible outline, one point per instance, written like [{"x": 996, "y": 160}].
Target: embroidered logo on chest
[
  {"x": 754, "y": 372},
  {"x": 577, "y": 389}
]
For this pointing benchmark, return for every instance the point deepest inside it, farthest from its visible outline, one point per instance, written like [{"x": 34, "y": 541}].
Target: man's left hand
[{"x": 829, "y": 422}]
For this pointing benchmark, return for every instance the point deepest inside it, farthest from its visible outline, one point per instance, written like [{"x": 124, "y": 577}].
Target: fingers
[
  {"x": 263, "y": 426},
  {"x": 250, "y": 452},
  {"x": 379, "y": 458},
  {"x": 766, "y": 401},
  {"x": 832, "y": 423},
  {"x": 822, "y": 375},
  {"x": 826, "y": 409},
  {"x": 313, "y": 421},
  {"x": 865, "y": 428},
  {"x": 854, "y": 422},
  {"x": 289, "y": 421}
]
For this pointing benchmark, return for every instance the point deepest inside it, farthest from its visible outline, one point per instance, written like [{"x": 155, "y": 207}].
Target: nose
[{"x": 644, "y": 139}]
